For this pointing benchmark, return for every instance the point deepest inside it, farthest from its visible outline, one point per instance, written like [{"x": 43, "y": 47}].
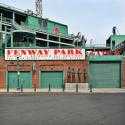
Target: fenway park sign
[{"x": 45, "y": 54}]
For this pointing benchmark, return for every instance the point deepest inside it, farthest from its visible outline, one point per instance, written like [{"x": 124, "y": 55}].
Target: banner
[
  {"x": 45, "y": 54},
  {"x": 102, "y": 52}
]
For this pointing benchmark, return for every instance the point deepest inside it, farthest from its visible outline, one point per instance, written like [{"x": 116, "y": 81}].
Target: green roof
[{"x": 117, "y": 38}]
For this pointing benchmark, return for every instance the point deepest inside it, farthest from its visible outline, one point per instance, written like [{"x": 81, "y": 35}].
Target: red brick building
[{"x": 41, "y": 73}]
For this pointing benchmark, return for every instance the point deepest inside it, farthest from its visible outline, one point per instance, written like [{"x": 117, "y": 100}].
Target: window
[{"x": 23, "y": 39}]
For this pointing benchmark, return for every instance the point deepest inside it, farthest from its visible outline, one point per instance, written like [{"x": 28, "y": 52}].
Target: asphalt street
[{"x": 86, "y": 109}]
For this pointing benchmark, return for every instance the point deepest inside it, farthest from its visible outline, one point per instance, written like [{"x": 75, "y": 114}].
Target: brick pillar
[
  {"x": 35, "y": 79},
  {"x": 2, "y": 79},
  {"x": 2, "y": 73}
]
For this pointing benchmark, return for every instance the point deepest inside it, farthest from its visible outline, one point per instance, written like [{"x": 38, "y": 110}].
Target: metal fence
[{"x": 49, "y": 88}]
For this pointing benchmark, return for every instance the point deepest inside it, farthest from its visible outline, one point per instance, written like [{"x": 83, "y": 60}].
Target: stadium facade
[{"x": 39, "y": 53}]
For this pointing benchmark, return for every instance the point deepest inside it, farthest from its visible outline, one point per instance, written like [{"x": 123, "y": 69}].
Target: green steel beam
[{"x": 105, "y": 58}]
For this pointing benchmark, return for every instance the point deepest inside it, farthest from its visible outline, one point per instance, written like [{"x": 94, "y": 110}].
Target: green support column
[
  {"x": 13, "y": 18},
  {"x": 1, "y": 22},
  {"x": 12, "y": 39}
]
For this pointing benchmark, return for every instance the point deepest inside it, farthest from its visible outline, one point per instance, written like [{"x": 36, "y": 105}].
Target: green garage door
[
  {"x": 105, "y": 75},
  {"x": 55, "y": 79},
  {"x": 25, "y": 78}
]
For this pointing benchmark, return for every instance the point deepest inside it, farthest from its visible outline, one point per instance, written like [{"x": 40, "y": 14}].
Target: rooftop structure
[{"x": 25, "y": 29}]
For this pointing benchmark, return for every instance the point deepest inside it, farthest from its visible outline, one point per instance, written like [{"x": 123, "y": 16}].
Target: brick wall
[
  {"x": 74, "y": 71},
  {"x": 2, "y": 73}
]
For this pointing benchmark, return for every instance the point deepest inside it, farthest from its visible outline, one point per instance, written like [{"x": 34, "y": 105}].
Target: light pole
[{"x": 18, "y": 74}]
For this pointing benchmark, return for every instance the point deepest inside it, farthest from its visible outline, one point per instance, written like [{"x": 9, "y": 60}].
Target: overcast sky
[{"x": 94, "y": 18}]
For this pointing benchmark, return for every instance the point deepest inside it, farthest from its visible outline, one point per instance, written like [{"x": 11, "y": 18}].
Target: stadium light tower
[{"x": 39, "y": 7}]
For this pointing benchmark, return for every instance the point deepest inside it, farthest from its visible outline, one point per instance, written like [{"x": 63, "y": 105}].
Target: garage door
[
  {"x": 25, "y": 78},
  {"x": 55, "y": 79},
  {"x": 105, "y": 75}
]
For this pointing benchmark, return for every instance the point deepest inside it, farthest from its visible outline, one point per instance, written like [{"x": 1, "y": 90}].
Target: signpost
[{"x": 18, "y": 74}]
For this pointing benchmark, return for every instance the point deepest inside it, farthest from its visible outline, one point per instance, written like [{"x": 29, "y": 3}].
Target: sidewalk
[
  {"x": 97, "y": 90},
  {"x": 109, "y": 90}
]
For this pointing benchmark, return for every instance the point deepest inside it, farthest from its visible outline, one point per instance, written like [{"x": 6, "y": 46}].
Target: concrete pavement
[{"x": 84, "y": 109}]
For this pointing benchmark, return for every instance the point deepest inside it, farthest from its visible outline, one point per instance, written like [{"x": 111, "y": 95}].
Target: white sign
[
  {"x": 102, "y": 52},
  {"x": 45, "y": 54}
]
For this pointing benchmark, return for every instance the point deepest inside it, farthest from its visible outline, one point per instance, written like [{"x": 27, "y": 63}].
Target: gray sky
[{"x": 94, "y": 18}]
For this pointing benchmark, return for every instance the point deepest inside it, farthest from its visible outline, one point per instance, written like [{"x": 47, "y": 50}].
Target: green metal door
[
  {"x": 105, "y": 75},
  {"x": 12, "y": 79},
  {"x": 25, "y": 78},
  {"x": 55, "y": 79}
]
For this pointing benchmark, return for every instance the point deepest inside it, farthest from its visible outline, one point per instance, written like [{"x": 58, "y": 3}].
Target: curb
[{"x": 13, "y": 94}]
